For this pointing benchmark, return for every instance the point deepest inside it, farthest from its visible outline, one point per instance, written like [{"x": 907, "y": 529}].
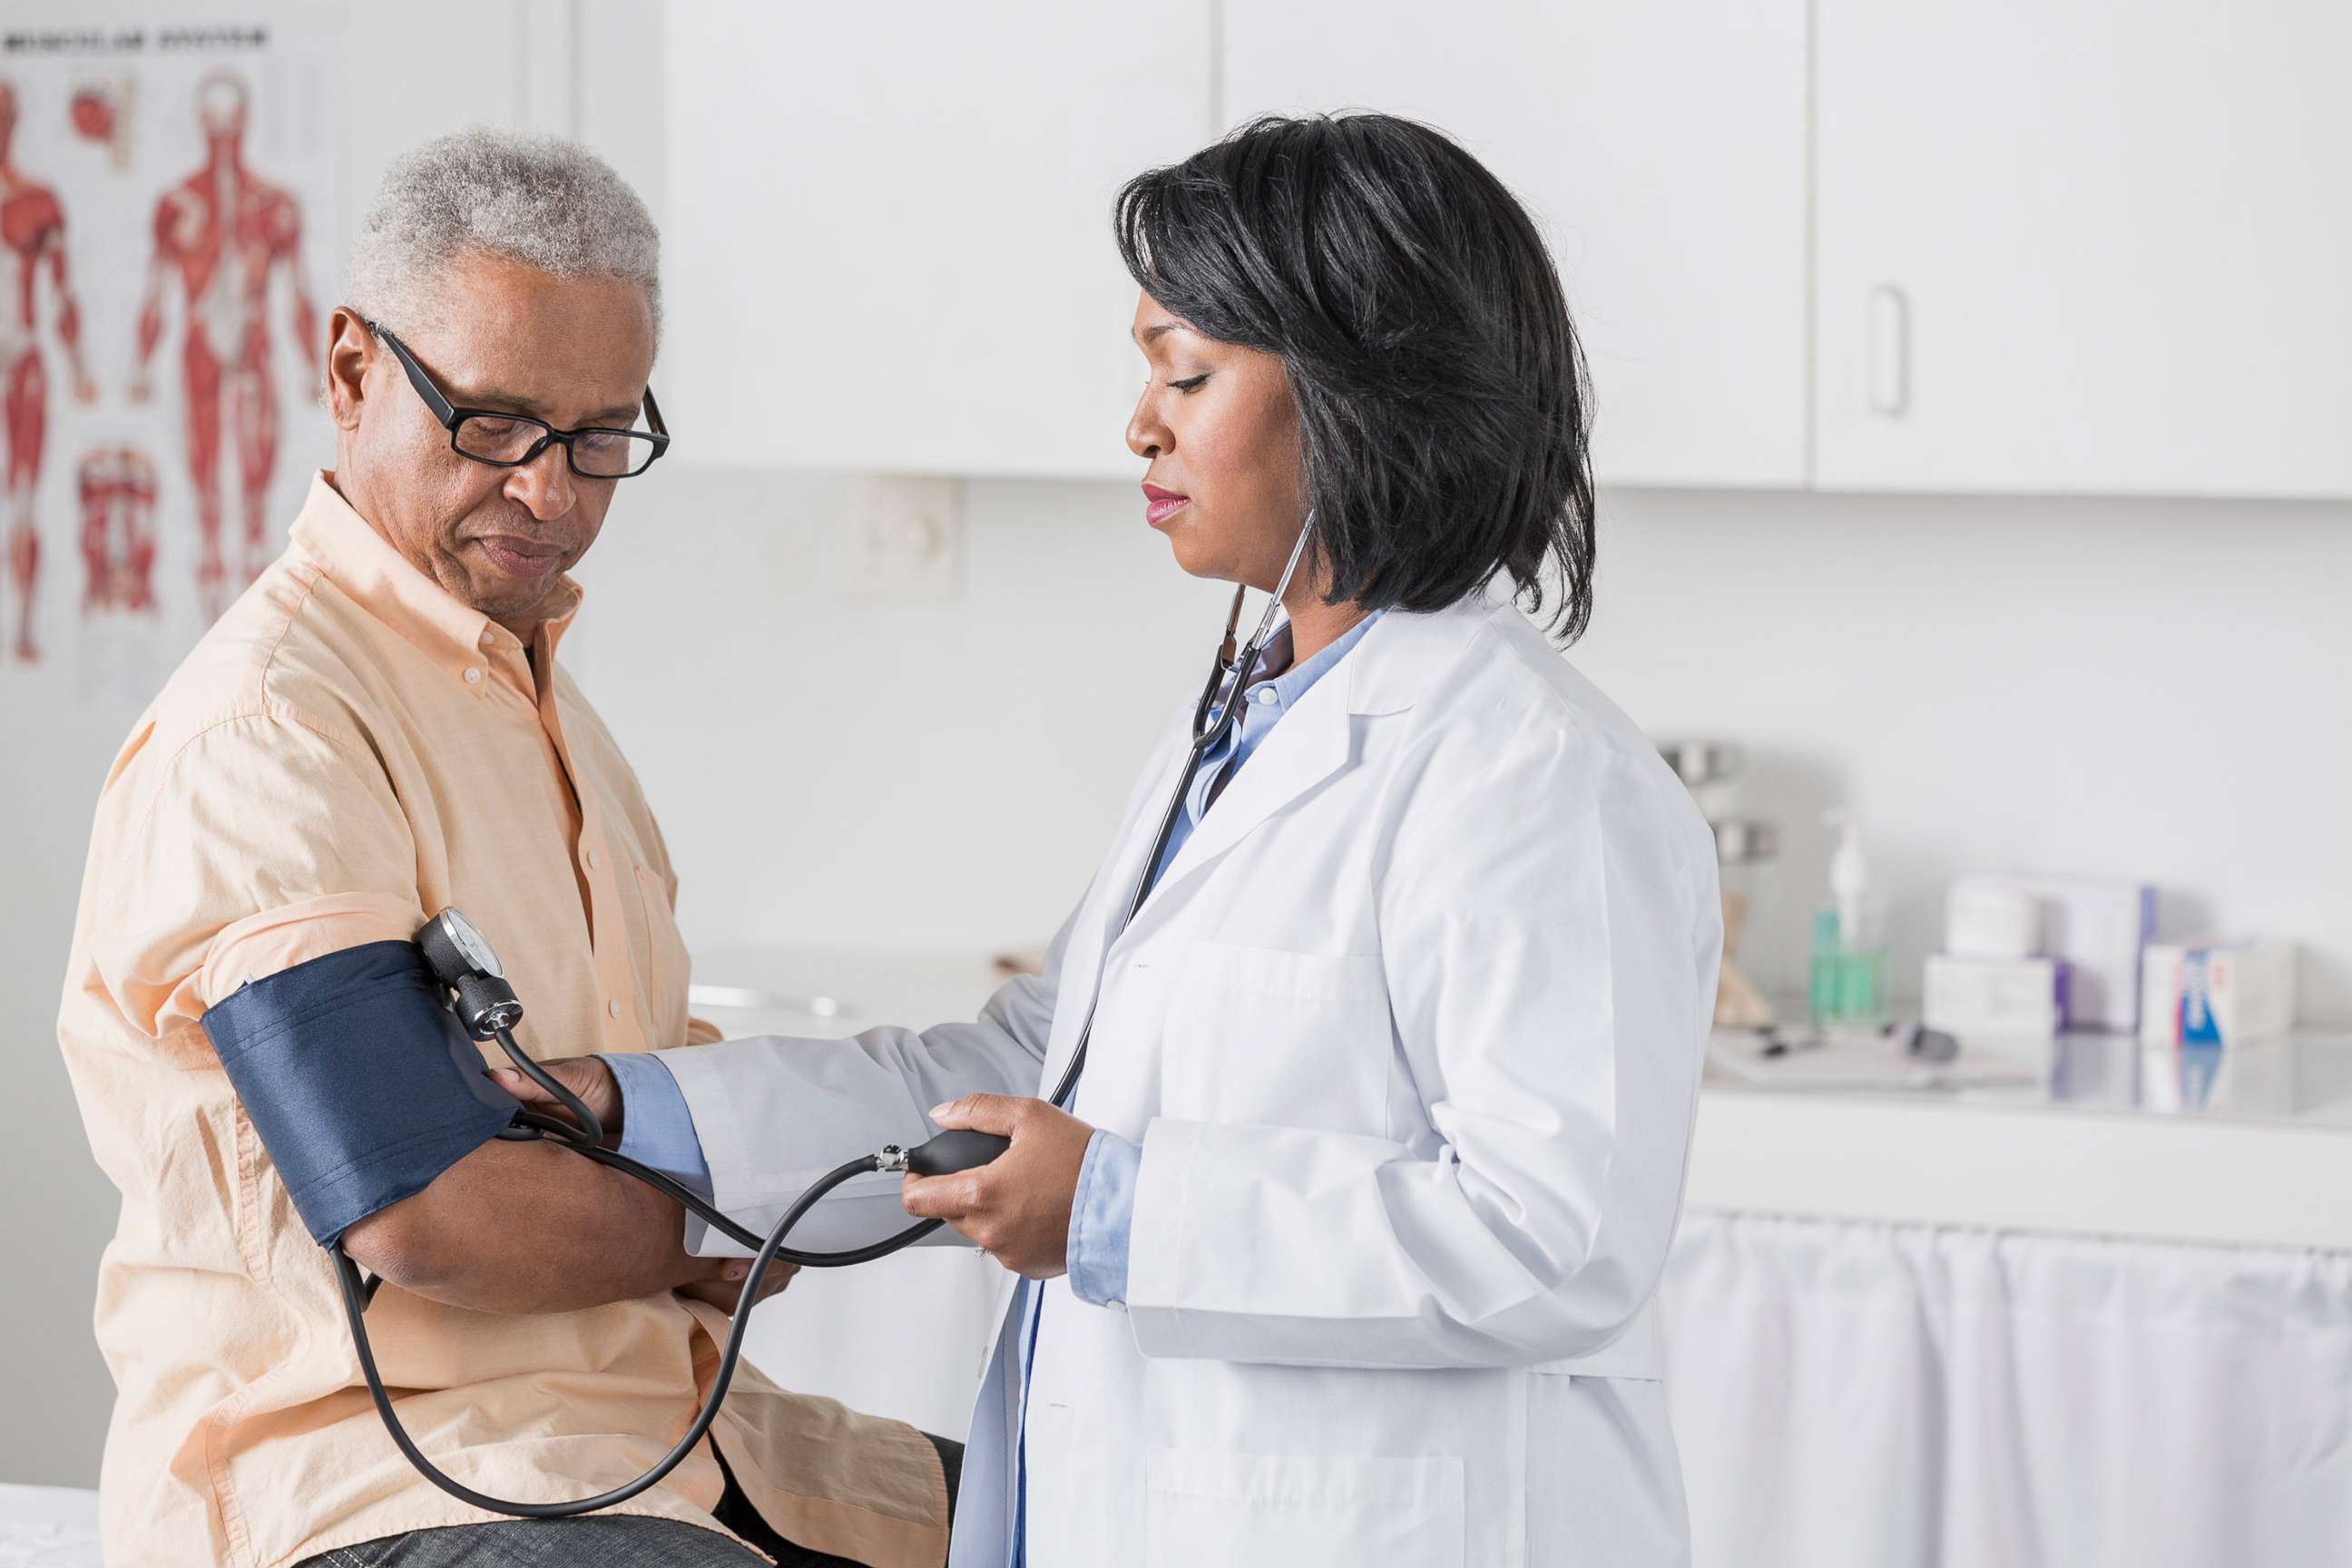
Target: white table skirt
[
  {"x": 1889, "y": 1396},
  {"x": 1863, "y": 1395}
]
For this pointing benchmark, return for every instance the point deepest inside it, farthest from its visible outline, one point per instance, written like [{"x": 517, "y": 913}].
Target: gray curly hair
[{"x": 538, "y": 200}]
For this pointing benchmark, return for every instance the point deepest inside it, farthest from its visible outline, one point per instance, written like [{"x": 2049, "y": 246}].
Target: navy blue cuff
[{"x": 361, "y": 1084}]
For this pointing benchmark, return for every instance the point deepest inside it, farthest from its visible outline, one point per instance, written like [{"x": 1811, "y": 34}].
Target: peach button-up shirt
[{"x": 349, "y": 750}]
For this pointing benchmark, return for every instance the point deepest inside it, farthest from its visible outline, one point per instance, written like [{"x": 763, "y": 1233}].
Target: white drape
[
  {"x": 1875, "y": 1397},
  {"x": 1851, "y": 1395}
]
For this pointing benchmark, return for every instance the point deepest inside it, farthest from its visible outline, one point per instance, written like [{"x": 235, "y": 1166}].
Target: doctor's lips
[{"x": 1159, "y": 505}]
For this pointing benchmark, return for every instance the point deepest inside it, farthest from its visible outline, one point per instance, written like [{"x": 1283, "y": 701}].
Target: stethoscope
[{"x": 468, "y": 970}]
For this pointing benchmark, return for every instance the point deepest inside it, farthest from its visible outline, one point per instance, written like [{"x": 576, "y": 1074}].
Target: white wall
[{"x": 2116, "y": 689}]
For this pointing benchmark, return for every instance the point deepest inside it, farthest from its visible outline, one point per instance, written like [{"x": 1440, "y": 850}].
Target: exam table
[{"x": 49, "y": 1527}]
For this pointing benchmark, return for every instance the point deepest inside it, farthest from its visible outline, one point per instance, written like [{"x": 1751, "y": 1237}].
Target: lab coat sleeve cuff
[
  {"x": 694, "y": 1070},
  {"x": 1158, "y": 1238},
  {"x": 1102, "y": 1216},
  {"x": 657, "y": 1127}
]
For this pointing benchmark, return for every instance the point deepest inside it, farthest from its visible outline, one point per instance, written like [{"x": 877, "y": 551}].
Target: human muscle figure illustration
[
  {"x": 118, "y": 529},
  {"x": 32, "y": 245},
  {"x": 219, "y": 235}
]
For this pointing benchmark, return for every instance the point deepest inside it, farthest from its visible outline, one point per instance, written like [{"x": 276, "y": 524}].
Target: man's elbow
[
  {"x": 402, "y": 1246},
  {"x": 443, "y": 1242}
]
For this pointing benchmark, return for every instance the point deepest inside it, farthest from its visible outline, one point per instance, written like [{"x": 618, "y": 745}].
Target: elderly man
[{"x": 379, "y": 729}]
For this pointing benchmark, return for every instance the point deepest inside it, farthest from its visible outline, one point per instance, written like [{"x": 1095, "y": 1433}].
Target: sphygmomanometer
[{"x": 362, "y": 1075}]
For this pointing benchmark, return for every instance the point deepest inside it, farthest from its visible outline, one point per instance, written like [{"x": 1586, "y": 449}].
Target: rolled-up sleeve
[{"x": 262, "y": 842}]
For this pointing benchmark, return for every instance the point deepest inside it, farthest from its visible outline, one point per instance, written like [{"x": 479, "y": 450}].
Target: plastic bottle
[{"x": 1848, "y": 971}]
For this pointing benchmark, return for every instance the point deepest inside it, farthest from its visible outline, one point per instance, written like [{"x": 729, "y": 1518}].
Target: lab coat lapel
[
  {"x": 1306, "y": 747},
  {"x": 1388, "y": 672}
]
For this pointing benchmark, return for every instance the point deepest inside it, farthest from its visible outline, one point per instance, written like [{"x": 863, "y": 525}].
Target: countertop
[
  {"x": 2095, "y": 1140},
  {"x": 2105, "y": 1139}
]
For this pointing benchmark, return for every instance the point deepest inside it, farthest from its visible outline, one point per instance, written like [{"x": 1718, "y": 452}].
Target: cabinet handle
[{"x": 1890, "y": 352}]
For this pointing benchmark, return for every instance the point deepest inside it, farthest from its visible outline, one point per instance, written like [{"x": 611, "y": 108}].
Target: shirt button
[
  {"x": 614, "y": 1008},
  {"x": 488, "y": 637},
  {"x": 1265, "y": 696},
  {"x": 591, "y": 859},
  {"x": 473, "y": 678}
]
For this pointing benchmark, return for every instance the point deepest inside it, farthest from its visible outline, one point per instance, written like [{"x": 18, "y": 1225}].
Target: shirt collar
[
  {"x": 362, "y": 562},
  {"x": 1280, "y": 692},
  {"x": 1292, "y": 683}
]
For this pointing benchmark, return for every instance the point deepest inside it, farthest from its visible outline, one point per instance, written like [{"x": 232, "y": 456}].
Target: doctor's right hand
[{"x": 586, "y": 1076}]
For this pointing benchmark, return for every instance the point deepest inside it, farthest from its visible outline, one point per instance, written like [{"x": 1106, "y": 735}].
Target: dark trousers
[{"x": 606, "y": 1540}]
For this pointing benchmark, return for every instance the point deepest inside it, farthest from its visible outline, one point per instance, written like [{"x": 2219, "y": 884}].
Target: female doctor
[{"x": 1342, "y": 1252}]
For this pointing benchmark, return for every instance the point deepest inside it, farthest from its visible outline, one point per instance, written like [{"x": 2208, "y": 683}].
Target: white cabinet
[
  {"x": 2084, "y": 245},
  {"x": 887, "y": 228},
  {"x": 1660, "y": 147},
  {"x": 2036, "y": 246}
]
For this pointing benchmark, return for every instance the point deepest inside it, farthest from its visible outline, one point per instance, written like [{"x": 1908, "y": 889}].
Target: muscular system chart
[{"x": 166, "y": 226}]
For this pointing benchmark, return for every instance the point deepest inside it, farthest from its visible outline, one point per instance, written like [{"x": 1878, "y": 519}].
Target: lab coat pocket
[
  {"x": 1285, "y": 1039},
  {"x": 1302, "y": 1510}
]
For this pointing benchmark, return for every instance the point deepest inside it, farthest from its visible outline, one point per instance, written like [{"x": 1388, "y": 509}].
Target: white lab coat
[{"x": 1410, "y": 1033}]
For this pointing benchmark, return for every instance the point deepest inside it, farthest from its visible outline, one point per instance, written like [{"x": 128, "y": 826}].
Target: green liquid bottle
[
  {"x": 1849, "y": 974},
  {"x": 1826, "y": 948}
]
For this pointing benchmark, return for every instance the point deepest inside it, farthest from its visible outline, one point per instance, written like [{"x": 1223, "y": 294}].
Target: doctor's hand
[{"x": 1016, "y": 1207}]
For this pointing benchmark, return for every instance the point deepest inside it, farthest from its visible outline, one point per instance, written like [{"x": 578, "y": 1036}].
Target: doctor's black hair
[{"x": 1443, "y": 408}]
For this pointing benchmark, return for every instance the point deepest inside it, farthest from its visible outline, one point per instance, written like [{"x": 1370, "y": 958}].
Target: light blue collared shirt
[{"x": 657, "y": 1130}]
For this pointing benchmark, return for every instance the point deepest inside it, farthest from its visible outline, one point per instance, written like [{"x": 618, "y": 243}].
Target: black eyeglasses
[{"x": 509, "y": 440}]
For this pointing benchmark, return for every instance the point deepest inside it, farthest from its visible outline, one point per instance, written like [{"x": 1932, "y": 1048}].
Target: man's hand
[
  {"x": 586, "y": 1076},
  {"x": 1016, "y": 1207}
]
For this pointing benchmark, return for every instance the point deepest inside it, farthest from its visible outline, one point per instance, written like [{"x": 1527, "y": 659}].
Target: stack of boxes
[{"x": 2026, "y": 957}]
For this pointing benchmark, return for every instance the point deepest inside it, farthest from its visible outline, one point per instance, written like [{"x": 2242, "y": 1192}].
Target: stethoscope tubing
[{"x": 356, "y": 1296}]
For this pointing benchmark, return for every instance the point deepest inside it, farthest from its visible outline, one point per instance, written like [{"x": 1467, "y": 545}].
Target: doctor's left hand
[{"x": 1017, "y": 1206}]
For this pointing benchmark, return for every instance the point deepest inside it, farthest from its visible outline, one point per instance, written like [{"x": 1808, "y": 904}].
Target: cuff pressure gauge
[
  {"x": 461, "y": 957},
  {"x": 462, "y": 937}
]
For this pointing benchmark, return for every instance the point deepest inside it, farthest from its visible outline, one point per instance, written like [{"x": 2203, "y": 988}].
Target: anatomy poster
[{"x": 167, "y": 208}]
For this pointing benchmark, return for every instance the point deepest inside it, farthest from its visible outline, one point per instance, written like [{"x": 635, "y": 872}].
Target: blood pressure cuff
[{"x": 362, "y": 1085}]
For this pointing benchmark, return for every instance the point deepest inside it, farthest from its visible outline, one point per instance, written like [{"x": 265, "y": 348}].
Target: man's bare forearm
[{"x": 530, "y": 1227}]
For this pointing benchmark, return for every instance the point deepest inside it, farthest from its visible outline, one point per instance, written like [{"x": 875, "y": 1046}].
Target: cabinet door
[
  {"x": 2085, "y": 246},
  {"x": 889, "y": 229},
  {"x": 1660, "y": 147}
]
